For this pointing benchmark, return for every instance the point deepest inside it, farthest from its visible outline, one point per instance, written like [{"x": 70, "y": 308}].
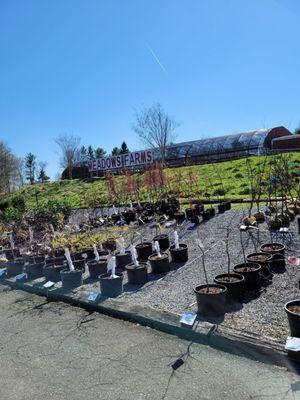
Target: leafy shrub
[
  {"x": 245, "y": 191},
  {"x": 238, "y": 175}
]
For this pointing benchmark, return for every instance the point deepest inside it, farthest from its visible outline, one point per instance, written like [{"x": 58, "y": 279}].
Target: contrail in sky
[{"x": 157, "y": 59}]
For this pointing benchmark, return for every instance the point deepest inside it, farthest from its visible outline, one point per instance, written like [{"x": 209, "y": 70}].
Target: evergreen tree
[
  {"x": 115, "y": 151},
  {"x": 30, "y": 166},
  {"x": 83, "y": 153},
  {"x": 91, "y": 154},
  {"x": 124, "y": 149},
  {"x": 42, "y": 176},
  {"x": 99, "y": 152}
]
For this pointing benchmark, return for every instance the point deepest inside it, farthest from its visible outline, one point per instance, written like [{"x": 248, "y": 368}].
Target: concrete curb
[{"x": 210, "y": 334}]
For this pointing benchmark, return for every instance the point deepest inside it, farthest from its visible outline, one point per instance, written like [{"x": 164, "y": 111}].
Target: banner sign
[{"x": 134, "y": 159}]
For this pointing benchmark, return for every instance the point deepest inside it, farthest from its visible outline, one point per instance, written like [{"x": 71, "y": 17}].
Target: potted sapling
[
  {"x": 111, "y": 283},
  {"x": 159, "y": 261},
  {"x": 277, "y": 250},
  {"x": 143, "y": 249},
  {"x": 123, "y": 257},
  {"x": 71, "y": 278},
  {"x": 234, "y": 282},
  {"x": 250, "y": 270},
  {"x": 98, "y": 266},
  {"x": 178, "y": 251},
  {"x": 136, "y": 271},
  {"x": 211, "y": 297},
  {"x": 115, "y": 215},
  {"x": 162, "y": 239}
]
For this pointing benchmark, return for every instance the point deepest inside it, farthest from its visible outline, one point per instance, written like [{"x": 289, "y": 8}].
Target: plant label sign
[
  {"x": 48, "y": 284},
  {"x": 135, "y": 159},
  {"x": 93, "y": 297},
  {"x": 188, "y": 318}
]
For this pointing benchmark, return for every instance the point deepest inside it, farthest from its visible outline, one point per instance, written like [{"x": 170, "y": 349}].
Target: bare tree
[
  {"x": 155, "y": 128},
  {"x": 10, "y": 170},
  {"x": 69, "y": 146}
]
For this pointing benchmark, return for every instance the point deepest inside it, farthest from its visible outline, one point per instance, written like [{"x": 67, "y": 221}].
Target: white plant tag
[
  {"x": 188, "y": 318},
  {"x": 97, "y": 257},
  {"x": 68, "y": 257},
  {"x": 48, "y": 284},
  {"x": 176, "y": 239},
  {"x": 122, "y": 246},
  {"x": 292, "y": 343},
  {"x": 114, "y": 209},
  {"x": 11, "y": 240},
  {"x": 134, "y": 255},
  {"x": 243, "y": 227},
  {"x": 30, "y": 235},
  {"x": 112, "y": 266},
  {"x": 157, "y": 248}
]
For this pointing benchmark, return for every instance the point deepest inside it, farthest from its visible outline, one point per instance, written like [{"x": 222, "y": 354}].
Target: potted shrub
[
  {"x": 143, "y": 249},
  {"x": 98, "y": 266},
  {"x": 211, "y": 298},
  {"x": 179, "y": 217},
  {"x": 123, "y": 257},
  {"x": 250, "y": 270},
  {"x": 71, "y": 278},
  {"x": 292, "y": 308},
  {"x": 178, "y": 251},
  {"x": 111, "y": 283},
  {"x": 162, "y": 239},
  {"x": 110, "y": 244},
  {"x": 35, "y": 270},
  {"x": 159, "y": 261},
  {"x": 136, "y": 271},
  {"x": 235, "y": 283},
  {"x": 52, "y": 271},
  {"x": 277, "y": 250},
  {"x": 265, "y": 261}
]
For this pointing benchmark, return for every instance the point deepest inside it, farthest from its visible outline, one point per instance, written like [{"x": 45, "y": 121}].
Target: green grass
[{"x": 233, "y": 173}]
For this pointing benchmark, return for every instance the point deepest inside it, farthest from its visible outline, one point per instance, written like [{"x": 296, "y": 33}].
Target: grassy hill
[{"x": 189, "y": 182}]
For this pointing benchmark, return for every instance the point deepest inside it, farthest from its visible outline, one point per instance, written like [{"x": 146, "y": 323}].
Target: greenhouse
[{"x": 224, "y": 147}]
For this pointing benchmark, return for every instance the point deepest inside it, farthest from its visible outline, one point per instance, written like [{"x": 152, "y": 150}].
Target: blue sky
[{"x": 85, "y": 66}]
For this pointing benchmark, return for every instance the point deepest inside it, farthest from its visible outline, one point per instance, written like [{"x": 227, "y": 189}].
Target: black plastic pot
[
  {"x": 116, "y": 217},
  {"x": 163, "y": 241},
  {"x": 55, "y": 260},
  {"x": 79, "y": 265},
  {"x": 137, "y": 274},
  {"x": 251, "y": 274},
  {"x": 71, "y": 279},
  {"x": 273, "y": 248},
  {"x": 190, "y": 213},
  {"x": 34, "y": 271},
  {"x": 9, "y": 254},
  {"x": 265, "y": 263},
  {"x": 97, "y": 268},
  {"x": 228, "y": 205},
  {"x": 212, "y": 212},
  {"x": 159, "y": 265},
  {"x": 52, "y": 272},
  {"x": 111, "y": 287},
  {"x": 144, "y": 250},
  {"x": 222, "y": 208},
  {"x": 179, "y": 217},
  {"x": 206, "y": 215},
  {"x": 109, "y": 244},
  {"x": 195, "y": 220},
  {"x": 211, "y": 304},
  {"x": 129, "y": 216},
  {"x": 199, "y": 209},
  {"x": 15, "y": 267},
  {"x": 293, "y": 317},
  {"x": 123, "y": 259},
  {"x": 235, "y": 288},
  {"x": 179, "y": 255}
]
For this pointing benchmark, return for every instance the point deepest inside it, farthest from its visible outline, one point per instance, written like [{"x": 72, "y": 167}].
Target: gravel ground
[{"x": 263, "y": 316}]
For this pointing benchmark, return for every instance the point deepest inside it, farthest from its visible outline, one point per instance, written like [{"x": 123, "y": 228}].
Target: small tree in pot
[
  {"x": 235, "y": 283},
  {"x": 98, "y": 266},
  {"x": 71, "y": 278},
  {"x": 211, "y": 298},
  {"x": 159, "y": 261},
  {"x": 111, "y": 283},
  {"x": 178, "y": 251},
  {"x": 136, "y": 271}
]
